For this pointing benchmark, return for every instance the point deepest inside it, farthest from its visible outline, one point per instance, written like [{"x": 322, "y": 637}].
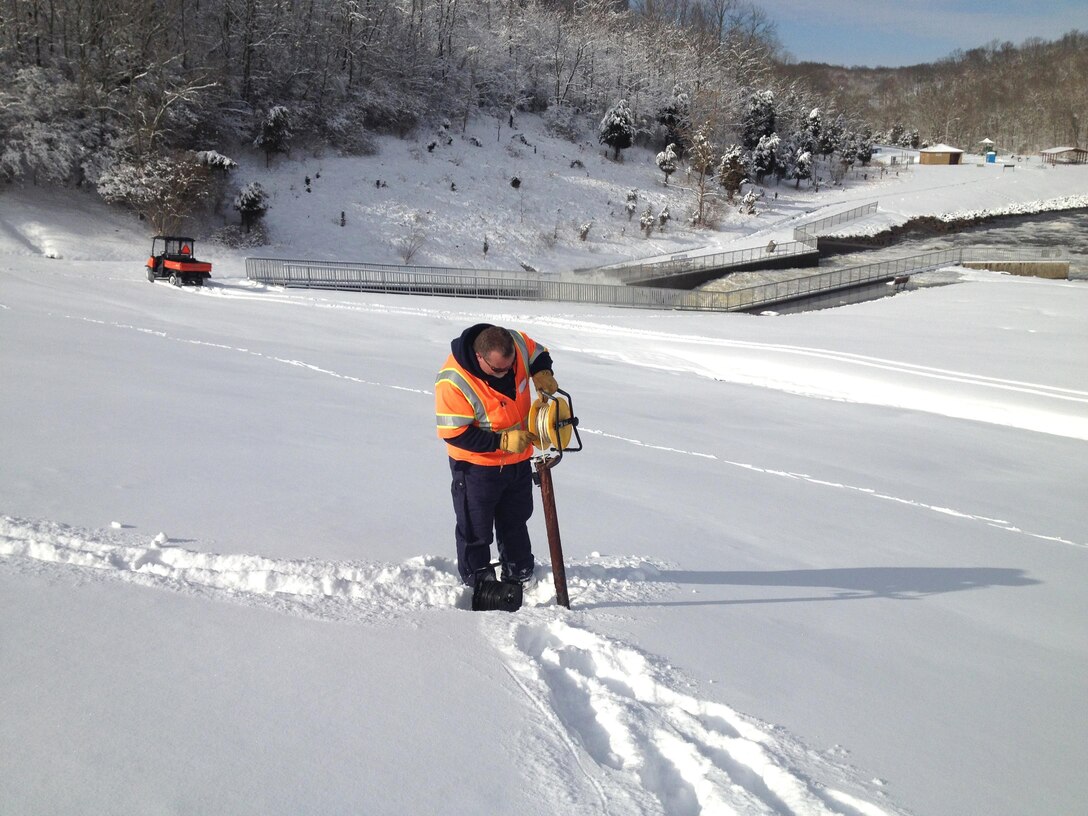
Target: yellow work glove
[
  {"x": 544, "y": 381},
  {"x": 516, "y": 441}
]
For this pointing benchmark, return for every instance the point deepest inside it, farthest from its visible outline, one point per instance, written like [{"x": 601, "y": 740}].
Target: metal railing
[
  {"x": 483, "y": 284},
  {"x": 1016, "y": 253},
  {"x": 632, "y": 274},
  {"x": 349, "y": 271},
  {"x": 768, "y": 294},
  {"x": 823, "y": 224}
]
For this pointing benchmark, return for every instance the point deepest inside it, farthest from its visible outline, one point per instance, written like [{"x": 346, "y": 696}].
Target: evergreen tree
[
  {"x": 863, "y": 148},
  {"x": 785, "y": 156},
  {"x": 830, "y": 141},
  {"x": 847, "y": 156},
  {"x": 732, "y": 171},
  {"x": 765, "y": 157},
  {"x": 275, "y": 133},
  {"x": 215, "y": 160},
  {"x": 666, "y": 161},
  {"x": 252, "y": 204},
  {"x": 675, "y": 117},
  {"x": 802, "y": 167},
  {"x": 617, "y": 128},
  {"x": 812, "y": 131},
  {"x": 759, "y": 118}
]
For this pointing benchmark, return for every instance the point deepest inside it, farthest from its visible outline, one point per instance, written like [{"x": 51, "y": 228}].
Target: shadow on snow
[{"x": 898, "y": 583}]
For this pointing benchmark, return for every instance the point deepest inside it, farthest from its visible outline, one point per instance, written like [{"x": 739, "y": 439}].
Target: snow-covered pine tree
[
  {"x": 831, "y": 138},
  {"x": 732, "y": 171},
  {"x": 848, "y": 153},
  {"x": 810, "y": 135},
  {"x": 864, "y": 146},
  {"x": 765, "y": 157},
  {"x": 216, "y": 160},
  {"x": 252, "y": 204},
  {"x": 275, "y": 133},
  {"x": 666, "y": 161},
  {"x": 675, "y": 117},
  {"x": 759, "y": 118},
  {"x": 785, "y": 155},
  {"x": 802, "y": 167},
  {"x": 617, "y": 128}
]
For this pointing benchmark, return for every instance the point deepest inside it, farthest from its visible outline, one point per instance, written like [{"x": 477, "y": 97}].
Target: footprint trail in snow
[
  {"x": 647, "y": 747},
  {"x": 340, "y": 590},
  {"x": 618, "y": 719}
]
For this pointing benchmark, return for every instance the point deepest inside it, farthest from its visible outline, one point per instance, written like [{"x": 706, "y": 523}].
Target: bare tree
[{"x": 702, "y": 160}]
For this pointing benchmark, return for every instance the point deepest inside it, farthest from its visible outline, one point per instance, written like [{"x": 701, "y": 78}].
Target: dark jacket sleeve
[
  {"x": 476, "y": 439},
  {"x": 541, "y": 363}
]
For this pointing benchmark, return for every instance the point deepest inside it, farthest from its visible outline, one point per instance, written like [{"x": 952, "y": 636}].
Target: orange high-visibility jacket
[{"x": 462, "y": 399}]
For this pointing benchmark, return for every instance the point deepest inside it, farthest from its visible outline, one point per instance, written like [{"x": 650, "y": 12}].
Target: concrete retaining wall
[{"x": 1058, "y": 270}]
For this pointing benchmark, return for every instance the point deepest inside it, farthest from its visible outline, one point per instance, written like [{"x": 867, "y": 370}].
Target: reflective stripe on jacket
[{"x": 462, "y": 399}]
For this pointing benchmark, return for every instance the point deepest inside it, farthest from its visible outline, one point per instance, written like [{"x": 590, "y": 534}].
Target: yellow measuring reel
[{"x": 552, "y": 419}]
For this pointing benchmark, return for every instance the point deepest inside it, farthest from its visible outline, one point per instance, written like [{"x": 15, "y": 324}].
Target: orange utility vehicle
[{"x": 173, "y": 257}]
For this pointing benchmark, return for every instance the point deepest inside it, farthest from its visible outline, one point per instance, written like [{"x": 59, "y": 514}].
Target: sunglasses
[{"x": 494, "y": 370}]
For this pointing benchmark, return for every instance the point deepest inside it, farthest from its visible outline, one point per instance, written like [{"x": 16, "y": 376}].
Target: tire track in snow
[
  {"x": 585, "y": 325},
  {"x": 819, "y": 373},
  {"x": 240, "y": 350},
  {"x": 1001, "y": 524},
  {"x": 851, "y": 359},
  {"x": 976, "y": 397}
]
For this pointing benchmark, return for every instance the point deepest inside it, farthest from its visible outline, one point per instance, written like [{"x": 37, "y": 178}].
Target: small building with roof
[
  {"x": 940, "y": 154},
  {"x": 1065, "y": 155}
]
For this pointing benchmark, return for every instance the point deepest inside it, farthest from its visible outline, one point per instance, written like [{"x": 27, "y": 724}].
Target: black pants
[{"x": 492, "y": 503}]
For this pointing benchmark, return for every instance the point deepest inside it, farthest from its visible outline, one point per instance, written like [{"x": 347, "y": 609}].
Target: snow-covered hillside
[
  {"x": 822, "y": 563},
  {"x": 442, "y": 204}
]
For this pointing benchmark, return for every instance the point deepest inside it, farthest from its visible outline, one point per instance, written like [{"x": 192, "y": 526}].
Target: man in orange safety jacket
[{"x": 482, "y": 405}]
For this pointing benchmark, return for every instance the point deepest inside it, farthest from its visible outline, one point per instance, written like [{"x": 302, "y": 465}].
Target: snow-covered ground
[{"x": 823, "y": 563}]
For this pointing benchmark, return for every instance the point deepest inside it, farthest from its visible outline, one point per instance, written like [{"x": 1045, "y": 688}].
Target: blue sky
[{"x": 906, "y": 32}]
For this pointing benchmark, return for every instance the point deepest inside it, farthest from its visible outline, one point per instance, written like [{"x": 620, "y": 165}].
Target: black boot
[{"x": 489, "y": 594}]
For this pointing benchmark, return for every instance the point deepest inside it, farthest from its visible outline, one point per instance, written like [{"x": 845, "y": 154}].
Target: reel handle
[
  {"x": 572, "y": 422},
  {"x": 552, "y": 456}
]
